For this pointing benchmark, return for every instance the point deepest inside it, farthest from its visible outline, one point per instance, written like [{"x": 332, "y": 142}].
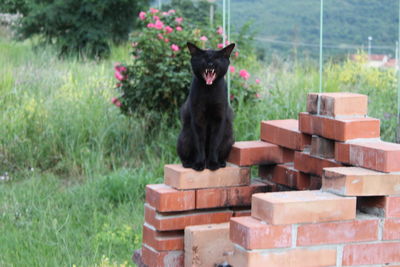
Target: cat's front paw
[
  {"x": 198, "y": 166},
  {"x": 186, "y": 164},
  {"x": 213, "y": 165},
  {"x": 222, "y": 164}
]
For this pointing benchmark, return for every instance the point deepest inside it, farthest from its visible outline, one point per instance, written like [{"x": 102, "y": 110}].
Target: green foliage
[
  {"x": 13, "y": 6},
  {"x": 75, "y": 27},
  {"x": 158, "y": 79}
]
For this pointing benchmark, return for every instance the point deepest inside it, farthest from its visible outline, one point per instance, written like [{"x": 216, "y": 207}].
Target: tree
[{"x": 78, "y": 27}]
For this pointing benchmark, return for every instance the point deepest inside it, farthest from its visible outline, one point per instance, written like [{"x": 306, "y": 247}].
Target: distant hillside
[{"x": 286, "y": 24}]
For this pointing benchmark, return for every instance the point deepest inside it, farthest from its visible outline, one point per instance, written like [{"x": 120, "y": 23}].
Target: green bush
[
  {"x": 159, "y": 76},
  {"x": 83, "y": 28}
]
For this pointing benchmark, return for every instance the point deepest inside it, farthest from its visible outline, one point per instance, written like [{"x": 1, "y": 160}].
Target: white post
[
  {"x": 229, "y": 39},
  {"x": 321, "y": 62},
  {"x": 397, "y": 56},
  {"x": 369, "y": 46},
  {"x": 224, "y": 21}
]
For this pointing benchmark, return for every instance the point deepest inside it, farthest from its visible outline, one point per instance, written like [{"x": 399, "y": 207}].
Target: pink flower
[
  {"x": 236, "y": 54},
  {"x": 174, "y": 47},
  {"x": 153, "y": 10},
  {"x": 160, "y": 36},
  {"x": 220, "y": 45},
  {"x": 232, "y": 97},
  {"x": 168, "y": 29},
  {"x": 165, "y": 13},
  {"x": 166, "y": 40},
  {"x": 116, "y": 102},
  {"x": 203, "y": 38},
  {"x": 226, "y": 42},
  {"x": 142, "y": 15},
  {"x": 159, "y": 25},
  {"x": 118, "y": 67},
  {"x": 171, "y": 11},
  {"x": 232, "y": 69},
  {"x": 257, "y": 81},
  {"x": 151, "y": 25},
  {"x": 179, "y": 28},
  {"x": 179, "y": 20},
  {"x": 258, "y": 95},
  {"x": 156, "y": 18},
  {"x": 244, "y": 74},
  {"x": 134, "y": 44},
  {"x": 220, "y": 31},
  {"x": 119, "y": 70},
  {"x": 119, "y": 76}
]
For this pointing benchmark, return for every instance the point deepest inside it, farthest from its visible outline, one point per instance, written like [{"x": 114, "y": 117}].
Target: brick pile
[
  {"x": 200, "y": 203},
  {"x": 354, "y": 220},
  {"x": 329, "y": 195}
]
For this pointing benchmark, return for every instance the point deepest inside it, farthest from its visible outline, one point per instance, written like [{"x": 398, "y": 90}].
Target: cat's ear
[
  {"x": 193, "y": 49},
  {"x": 227, "y": 51}
]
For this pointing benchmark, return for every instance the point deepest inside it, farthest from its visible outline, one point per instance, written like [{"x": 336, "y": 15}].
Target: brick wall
[{"x": 328, "y": 195}]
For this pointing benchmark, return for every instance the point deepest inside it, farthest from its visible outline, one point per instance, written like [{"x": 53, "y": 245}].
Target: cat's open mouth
[{"x": 209, "y": 76}]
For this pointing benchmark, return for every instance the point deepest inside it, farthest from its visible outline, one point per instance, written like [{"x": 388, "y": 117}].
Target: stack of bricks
[
  {"x": 354, "y": 220},
  {"x": 329, "y": 195},
  {"x": 200, "y": 202}
]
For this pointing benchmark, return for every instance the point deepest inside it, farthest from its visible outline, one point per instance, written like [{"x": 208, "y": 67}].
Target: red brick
[
  {"x": 315, "y": 182},
  {"x": 378, "y": 253},
  {"x": 338, "y": 104},
  {"x": 162, "y": 241},
  {"x": 284, "y": 133},
  {"x": 207, "y": 245},
  {"x": 337, "y": 232},
  {"x": 285, "y": 174},
  {"x": 154, "y": 258},
  {"x": 185, "y": 178},
  {"x": 342, "y": 152},
  {"x": 304, "y": 162},
  {"x": 228, "y": 196},
  {"x": 375, "y": 155},
  {"x": 302, "y": 207},
  {"x": 251, "y": 233},
  {"x": 387, "y": 206},
  {"x": 322, "y": 147},
  {"x": 297, "y": 257},
  {"x": 178, "y": 221},
  {"x": 339, "y": 129},
  {"x": 354, "y": 181},
  {"x": 165, "y": 198},
  {"x": 391, "y": 229},
  {"x": 247, "y": 153}
]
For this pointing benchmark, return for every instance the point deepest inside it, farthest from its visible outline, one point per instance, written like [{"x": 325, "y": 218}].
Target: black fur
[{"x": 206, "y": 137}]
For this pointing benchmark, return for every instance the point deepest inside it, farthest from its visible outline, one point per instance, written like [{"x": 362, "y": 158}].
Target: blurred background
[{"x": 90, "y": 93}]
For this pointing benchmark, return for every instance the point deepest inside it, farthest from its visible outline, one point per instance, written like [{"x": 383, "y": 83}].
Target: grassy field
[{"x": 76, "y": 168}]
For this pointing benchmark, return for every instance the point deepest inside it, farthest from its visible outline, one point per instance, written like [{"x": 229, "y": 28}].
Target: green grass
[
  {"x": 46, "y": 223},
  {"x": 78, "y": 167}
]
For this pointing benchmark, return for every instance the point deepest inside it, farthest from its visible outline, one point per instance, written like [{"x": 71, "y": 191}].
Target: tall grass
[{"x": 78, "y": 168}]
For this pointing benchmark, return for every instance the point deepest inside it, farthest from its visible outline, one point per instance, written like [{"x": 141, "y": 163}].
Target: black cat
[{"x": 206, "y": 137}]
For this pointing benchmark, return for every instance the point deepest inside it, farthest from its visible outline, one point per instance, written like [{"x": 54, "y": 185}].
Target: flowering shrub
[{"x": 159, "y": 76}]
